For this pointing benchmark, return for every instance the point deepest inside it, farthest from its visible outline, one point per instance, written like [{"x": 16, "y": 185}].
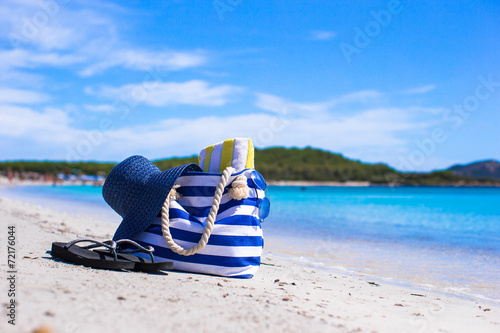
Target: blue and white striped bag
[{"x": 235, "y": 245}]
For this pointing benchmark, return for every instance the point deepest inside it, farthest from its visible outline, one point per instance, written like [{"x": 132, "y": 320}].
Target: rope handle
[{"x": 165, "y": 222}]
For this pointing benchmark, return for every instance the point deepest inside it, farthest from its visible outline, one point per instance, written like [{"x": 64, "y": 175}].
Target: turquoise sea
[{"x": 443, "y": 238}]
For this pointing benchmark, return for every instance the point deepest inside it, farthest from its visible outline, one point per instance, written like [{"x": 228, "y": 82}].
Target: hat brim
[{"x": 148, "y": 205}]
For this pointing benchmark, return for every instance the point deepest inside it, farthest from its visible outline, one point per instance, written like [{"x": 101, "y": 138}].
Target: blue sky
[{"x": 414, "y": 84}]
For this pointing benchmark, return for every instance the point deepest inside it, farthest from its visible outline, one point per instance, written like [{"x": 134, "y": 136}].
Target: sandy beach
[{"x": 53, "y": 296}]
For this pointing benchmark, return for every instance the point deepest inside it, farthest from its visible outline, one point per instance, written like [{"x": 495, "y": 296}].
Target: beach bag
[{"x": 203, "y": 229}]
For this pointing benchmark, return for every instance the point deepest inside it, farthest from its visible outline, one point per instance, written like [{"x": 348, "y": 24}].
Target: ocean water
[
  {"x": 72, "y": 199},
  {"x": 442, "y": 238},
  {"x": 464, "y": 218}
]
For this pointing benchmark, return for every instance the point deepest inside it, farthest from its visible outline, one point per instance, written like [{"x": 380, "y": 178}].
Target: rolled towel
[{"x": 238, "y": 153}]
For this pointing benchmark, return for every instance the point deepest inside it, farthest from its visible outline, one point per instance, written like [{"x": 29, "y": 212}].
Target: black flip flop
[
  {"x": 74, "y": 254},
  {"x": 109, "y": 258}
]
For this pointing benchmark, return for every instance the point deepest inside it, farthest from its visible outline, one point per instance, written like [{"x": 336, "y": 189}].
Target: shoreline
[
  {"x": 359, "y": 260},
  {"x": 297, "y": 183},
  {"x": 306, "y": 183},
  {"x": 317, "y": 183},
  {"x": 283, "y": 295}
]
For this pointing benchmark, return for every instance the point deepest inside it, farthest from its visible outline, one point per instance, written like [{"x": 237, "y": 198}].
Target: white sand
[{"x": 54, "y": 296}]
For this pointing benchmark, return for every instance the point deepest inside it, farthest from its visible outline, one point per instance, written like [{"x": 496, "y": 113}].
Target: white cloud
[
  {"x": 19, "y": 58},
  {"x": 145, "y": 60},
  {"x": 362, "y": 96},
  {"x": 323, "y": 35},
  {"x": 185, "y": 136},
  {"x": 18, "y": 96},
  {"x": 370, "y": 129},
  {"x": 278, "y": 104},
  {"x": 57, "y": 38},
  {"x": 359, "y": 130},
  {"x": 368, "y": 134},
  {"x": 427, "y": 110},
  {"x": 24, "y": 79},
  {"x": 18, "y": 121},
  {"x": 46, "y": 33},
  {"x": 194, "y": 92},
  {"x": 51, "y": 25},
  {"x": 106, "y": 108},
  {"x": 271, "y": 103},
  {"x": 18, "y": 67},
  {"x": 419, "y": 90},
  {"x": 95, "y": 61}
]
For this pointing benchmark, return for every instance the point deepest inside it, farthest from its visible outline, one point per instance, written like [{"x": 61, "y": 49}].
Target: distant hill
[
  {"x": 484, "y": 169},
  {"x": 316, "y": 165}
]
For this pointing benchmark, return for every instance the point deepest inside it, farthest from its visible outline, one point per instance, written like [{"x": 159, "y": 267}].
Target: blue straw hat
[{"x": 136, "y": 189}]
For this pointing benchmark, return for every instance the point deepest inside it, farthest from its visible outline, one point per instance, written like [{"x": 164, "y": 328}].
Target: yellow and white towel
[{"x": 238, "y": 153}]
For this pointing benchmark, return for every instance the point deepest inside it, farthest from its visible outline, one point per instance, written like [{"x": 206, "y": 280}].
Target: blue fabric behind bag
[{"x": 235, "y": 245}]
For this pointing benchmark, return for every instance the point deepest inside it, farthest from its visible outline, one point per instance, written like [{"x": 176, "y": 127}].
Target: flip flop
[
  {"x": 110, "y": 258},
  {"x": 74, "y": 254}
]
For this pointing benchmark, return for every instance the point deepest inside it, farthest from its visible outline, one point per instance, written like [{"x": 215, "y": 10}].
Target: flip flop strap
[
  {"x": 113, "y": 246},
  {"x": 165, "y": 227},
  {"x": 110, "y": 245},
  {"x": 140, "y": 248}
]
